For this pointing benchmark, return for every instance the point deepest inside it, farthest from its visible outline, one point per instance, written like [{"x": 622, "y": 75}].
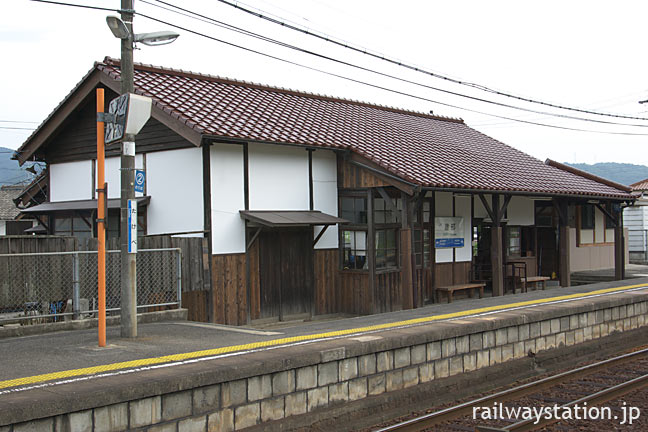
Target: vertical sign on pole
[{"x": 132, "y": 225}]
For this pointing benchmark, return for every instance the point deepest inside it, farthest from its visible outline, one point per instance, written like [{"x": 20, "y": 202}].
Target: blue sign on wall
[
  {"x": 140, "y": 179},
  {"x": 448, "y": 242}
]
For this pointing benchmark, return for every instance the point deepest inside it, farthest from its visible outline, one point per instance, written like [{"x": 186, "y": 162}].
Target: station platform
[{"x": 69, "y": 364}]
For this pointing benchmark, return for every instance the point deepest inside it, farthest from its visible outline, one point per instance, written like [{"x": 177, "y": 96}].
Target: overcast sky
[{"x": 584, "y": 54}]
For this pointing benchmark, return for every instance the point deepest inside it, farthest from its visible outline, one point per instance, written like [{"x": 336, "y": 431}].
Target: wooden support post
[
  {"x": 497, "y": 256},
  {"x": 619, "y": 247},
  {"x": 371, "y": 250},
  {"x": 407, "y": 291},
  {"x": 564, "y": 269}
]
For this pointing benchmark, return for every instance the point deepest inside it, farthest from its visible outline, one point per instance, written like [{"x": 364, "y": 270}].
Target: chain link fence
[{"x": 45, "y": 287}]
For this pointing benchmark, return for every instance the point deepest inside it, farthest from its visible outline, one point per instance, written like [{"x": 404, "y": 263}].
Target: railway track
[{"x": 582, "y": 388}]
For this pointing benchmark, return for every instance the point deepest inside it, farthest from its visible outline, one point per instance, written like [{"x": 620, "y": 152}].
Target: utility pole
[{"x": 128, "y": 260}]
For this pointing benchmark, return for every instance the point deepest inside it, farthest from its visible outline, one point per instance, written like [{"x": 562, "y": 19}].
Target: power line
[
  {"x": 376, "y": 86},
  {"x": 227, "y": 26},
  {"x": 17, "y": 121},
  {"x": 416, "y": 68},
  {"x": 77, "y": 5},
  {"x": 16, "y": 128}
]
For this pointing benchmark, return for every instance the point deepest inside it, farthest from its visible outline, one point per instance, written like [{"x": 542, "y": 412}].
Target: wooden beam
[
  {"x": 407, "y": 287},
  {"x": 497, "y": 254},
  {"x": 207, "y": 226},
  {"x": 383, "y": 174},
  {"x": 254, "y": 237},
  {"x": 614, "y": 219},
  {"x": 371, "y": 250},
  {"x": 388, "y": 199},
  {"x": 507, "y": 200},
  {"x": 487, "y": 207},
  {"x": 319, "y": 236},
  {"x": 619, "y": 248},
  {"x": 311, "y": 201},
  {"x": 564, "y": 266}
]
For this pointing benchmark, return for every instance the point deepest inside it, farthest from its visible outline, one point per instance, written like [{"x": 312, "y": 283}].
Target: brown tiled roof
[
  {"x": 641, "y": 185},
  {"x": 423, "y": 149},
  {"x": 8, "y": 209}
]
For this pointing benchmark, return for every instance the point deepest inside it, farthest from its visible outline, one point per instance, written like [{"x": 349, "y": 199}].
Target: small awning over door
[{"x": 290, "y": 218}]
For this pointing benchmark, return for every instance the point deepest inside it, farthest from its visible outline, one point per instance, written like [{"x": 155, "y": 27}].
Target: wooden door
[{"x": 285, "y": 272}]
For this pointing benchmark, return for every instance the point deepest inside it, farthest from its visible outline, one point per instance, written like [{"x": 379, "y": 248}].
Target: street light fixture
[
  {"x": 122, "y": 28},
  {"x": 120, "y": 31}
]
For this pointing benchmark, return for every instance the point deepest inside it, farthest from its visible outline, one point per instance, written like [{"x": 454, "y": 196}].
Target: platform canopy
[{"x": 290, "y": 218}]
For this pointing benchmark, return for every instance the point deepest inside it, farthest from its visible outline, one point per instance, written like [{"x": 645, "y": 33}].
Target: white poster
[{"x": 448, "y": 232}]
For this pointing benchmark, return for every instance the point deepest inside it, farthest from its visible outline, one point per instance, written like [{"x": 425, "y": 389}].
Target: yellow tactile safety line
[{"x": 264, "y": 344}]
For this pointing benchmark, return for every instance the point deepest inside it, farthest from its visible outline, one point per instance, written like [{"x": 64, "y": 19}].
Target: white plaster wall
[
  {"x": 71, "y": 181},
  {"x": 113, "y": 175},
  {"x": 592, "y": 257},
  {"x": 462, "y": 209},
  {"x": 227, "y": 198},
  {"x": 480, "y": 210},
  {"x": 586, "y": 236},
  {"x": 325, "y": 194},
  {"x": 3, "y": 228},
  {"x": 278, "y": 177},
  {"x": 174, "y": 182},
  {"x": 520, "y": 211}
]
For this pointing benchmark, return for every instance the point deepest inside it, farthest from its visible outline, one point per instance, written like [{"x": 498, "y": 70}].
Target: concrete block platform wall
[{"x": 266, "y": 388}]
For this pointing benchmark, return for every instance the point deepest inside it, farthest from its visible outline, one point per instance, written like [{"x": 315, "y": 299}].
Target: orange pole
[{"x": 101, "y": 222}]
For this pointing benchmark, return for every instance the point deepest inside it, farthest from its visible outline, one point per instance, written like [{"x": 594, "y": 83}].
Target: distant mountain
[
  {"x": 623, "y": 173},
  {"x": 10, "y": 171}
]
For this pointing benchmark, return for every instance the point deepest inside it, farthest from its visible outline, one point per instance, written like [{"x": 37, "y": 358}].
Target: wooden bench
[
  {"x": 450, "y": 289},
  {"x": 534, "y": 280}
]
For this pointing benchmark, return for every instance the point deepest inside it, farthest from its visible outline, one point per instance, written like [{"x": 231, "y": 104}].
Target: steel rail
[
  {"x": 597, "y": 398},
  {"x": 428, "y": 420}
]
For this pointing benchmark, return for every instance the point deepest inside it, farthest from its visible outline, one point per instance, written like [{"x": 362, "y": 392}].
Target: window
[
  {"x": 422, "y": 247},
  {"x": 386, "y": 249},
  {"x": 354, "y": 250},
  {"x": 513, "y": 241},
  {"x": 587, "y": 216},
  {"x": 354, "y": 209},
  {"x": 354, "y": 241},
  {"x": 609, "y": 224},
  {"x": 422, "y": 234},
  {"x": 68, "y": 224},
  {"x": 383, "y": 213}
]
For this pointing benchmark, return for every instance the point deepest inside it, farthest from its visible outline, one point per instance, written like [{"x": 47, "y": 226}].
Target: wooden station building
[{"x": 316, "y": 205}]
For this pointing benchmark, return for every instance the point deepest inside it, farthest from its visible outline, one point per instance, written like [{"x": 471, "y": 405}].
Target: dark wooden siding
[
  {"x": 353, "y": 177},
  {"x": 229, "y": 284},
  {"x": 424, "y": 289},
  {"x": 327, "y": 282},
  {"x": 388, "y": 295},
  {"x": 77, "y": 137},
  {"x": 355, "y": 295}
]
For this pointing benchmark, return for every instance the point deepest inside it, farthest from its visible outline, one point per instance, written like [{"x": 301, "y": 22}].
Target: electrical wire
[
  {"x": 227, "y": 26},
  {"x": 376, "y": 86},
  {"x": 360, "y": 81},
  {"x": 17, "y": 128},
  {"x": 416, "y": 68},
  {"x": 78, "y": 5}
]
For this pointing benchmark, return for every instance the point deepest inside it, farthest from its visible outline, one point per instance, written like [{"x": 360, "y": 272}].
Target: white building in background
[{"x": 635, "y": 219}]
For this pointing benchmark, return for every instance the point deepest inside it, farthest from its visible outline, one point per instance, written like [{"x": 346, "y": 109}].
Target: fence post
[
  {"x": 179, "y": 276},
  {"x": 76, "y": 286}
]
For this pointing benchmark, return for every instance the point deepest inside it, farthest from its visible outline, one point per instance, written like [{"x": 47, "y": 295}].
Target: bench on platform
[
  {"x": 450, "y": 289},
  {"x": 534, "y": 280}
]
